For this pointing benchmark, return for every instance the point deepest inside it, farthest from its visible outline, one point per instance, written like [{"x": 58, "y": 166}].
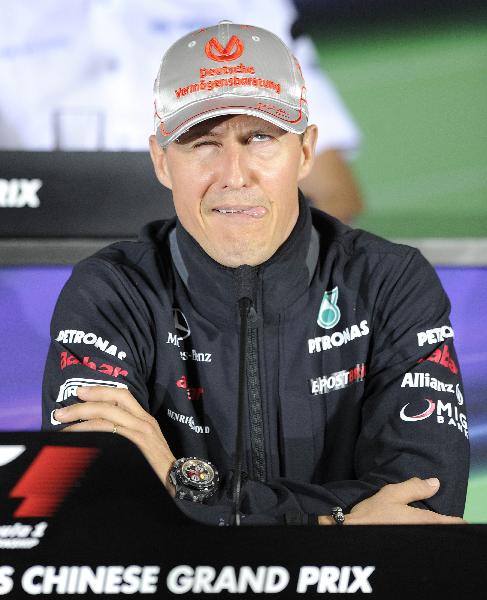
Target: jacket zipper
[{"x": 254, "y": 391}]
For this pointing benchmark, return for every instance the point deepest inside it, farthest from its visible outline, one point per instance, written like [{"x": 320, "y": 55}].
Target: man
[{"x": 351, "y": 376}]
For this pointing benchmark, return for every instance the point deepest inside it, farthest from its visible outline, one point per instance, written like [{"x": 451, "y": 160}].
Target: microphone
[{"x": 245, "y": 280}]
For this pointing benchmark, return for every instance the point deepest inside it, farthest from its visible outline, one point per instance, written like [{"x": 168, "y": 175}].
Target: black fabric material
[{"x": 175, "y": 337}]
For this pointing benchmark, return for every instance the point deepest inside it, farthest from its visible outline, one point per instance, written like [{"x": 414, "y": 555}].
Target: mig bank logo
[
  {"x": 421, "y": 416},
  {"x": 329, "y": 313}
]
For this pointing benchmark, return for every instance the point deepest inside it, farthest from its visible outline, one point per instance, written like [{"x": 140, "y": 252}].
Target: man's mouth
[{"x": 256, "y": 212}]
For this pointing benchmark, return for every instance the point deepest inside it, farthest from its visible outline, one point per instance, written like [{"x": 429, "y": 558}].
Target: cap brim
[{"x": 280, "y": 114}]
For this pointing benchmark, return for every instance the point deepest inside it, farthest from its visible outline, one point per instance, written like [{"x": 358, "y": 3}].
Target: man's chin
[{"x": 236, "y": 256}]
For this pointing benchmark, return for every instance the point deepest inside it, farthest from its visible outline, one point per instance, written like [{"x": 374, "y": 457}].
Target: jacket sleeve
[
  {"x": 88, "y": 344},
  {"x": 414, "y": 420},
  {"x": 413, "y": 413}
]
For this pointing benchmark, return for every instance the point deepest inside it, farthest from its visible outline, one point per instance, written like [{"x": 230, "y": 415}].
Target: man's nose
[{"x": 233, "y": 167}]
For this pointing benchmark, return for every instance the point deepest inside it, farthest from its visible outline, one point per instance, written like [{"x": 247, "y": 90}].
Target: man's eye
[
  {"x": 204, "y": 143},
  {"x": 261, "y": 137}
]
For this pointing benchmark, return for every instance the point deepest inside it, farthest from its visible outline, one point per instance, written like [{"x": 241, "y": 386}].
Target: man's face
[{"x": 234, "y": 182}]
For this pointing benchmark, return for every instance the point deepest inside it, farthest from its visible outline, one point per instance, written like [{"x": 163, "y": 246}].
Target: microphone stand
[{"x": 245, "y": 275}]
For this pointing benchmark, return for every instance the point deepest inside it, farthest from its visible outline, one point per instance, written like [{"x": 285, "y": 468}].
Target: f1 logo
[
  {"x": 49, "y": 478},
  {"x": 232, "y": 50}
]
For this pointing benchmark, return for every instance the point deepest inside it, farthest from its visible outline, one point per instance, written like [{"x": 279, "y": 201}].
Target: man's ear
[
  {"x": 307, "y": 151},
  {"x": 159, "y": 160}
]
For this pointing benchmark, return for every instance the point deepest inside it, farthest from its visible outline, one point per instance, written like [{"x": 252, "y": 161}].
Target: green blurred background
[{"x": 419, "y": 94}]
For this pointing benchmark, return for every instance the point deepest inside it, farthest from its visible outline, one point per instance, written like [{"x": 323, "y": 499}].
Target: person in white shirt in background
[{"x": 73, "y": 76}]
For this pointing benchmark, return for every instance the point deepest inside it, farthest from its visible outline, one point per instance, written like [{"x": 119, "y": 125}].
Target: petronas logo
[{"x": 329, "y": 313}]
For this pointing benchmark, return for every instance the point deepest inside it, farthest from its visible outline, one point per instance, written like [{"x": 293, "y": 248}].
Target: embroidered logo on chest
[{"x": 329, "y": 313}]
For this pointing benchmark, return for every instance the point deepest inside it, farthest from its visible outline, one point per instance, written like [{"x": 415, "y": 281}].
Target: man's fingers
[
  {"x": 93, "y": 425},
  {"x": 116, "y": 396},
  {"x": 410, "y": 490},
  {"x": 88, "y": 411},
  {"x": 397, "y": 514},
  {"x": 104, "y": 426},
  {"x": 421, "y": 516}
]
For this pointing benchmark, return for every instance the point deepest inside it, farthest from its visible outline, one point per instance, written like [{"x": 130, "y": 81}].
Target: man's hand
[
  {"x": 117, "y": 411},
  {"x": 389, "y": 506}
]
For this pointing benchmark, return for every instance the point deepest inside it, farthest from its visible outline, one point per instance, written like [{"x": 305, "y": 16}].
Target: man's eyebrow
[
  {"x": 266, "y": 129},
  {"x": 199, "y": 132},
  {"x": 193, "y": 134}
]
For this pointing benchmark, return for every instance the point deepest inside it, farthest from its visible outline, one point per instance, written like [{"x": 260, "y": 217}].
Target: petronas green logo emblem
[{"x": 329, "y": 314}]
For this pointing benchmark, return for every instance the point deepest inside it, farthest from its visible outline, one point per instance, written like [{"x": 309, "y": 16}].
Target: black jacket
[{"x": 353, "y": 380}]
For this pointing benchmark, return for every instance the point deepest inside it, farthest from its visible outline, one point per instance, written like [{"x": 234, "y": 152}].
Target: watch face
[{"x": 197, "y": 473}]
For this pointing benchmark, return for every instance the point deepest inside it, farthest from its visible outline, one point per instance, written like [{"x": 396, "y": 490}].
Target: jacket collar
[{"x": 278, "y": 282}]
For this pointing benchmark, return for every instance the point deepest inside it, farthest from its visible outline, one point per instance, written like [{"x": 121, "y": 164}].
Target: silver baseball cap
[{"x": 228, "y": 69}]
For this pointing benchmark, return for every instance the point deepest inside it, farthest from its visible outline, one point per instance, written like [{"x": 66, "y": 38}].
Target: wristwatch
[{"x": 194, "y": 479}]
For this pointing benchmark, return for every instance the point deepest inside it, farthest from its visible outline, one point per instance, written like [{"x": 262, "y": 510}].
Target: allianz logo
[{"x": 19, "y": 193}]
